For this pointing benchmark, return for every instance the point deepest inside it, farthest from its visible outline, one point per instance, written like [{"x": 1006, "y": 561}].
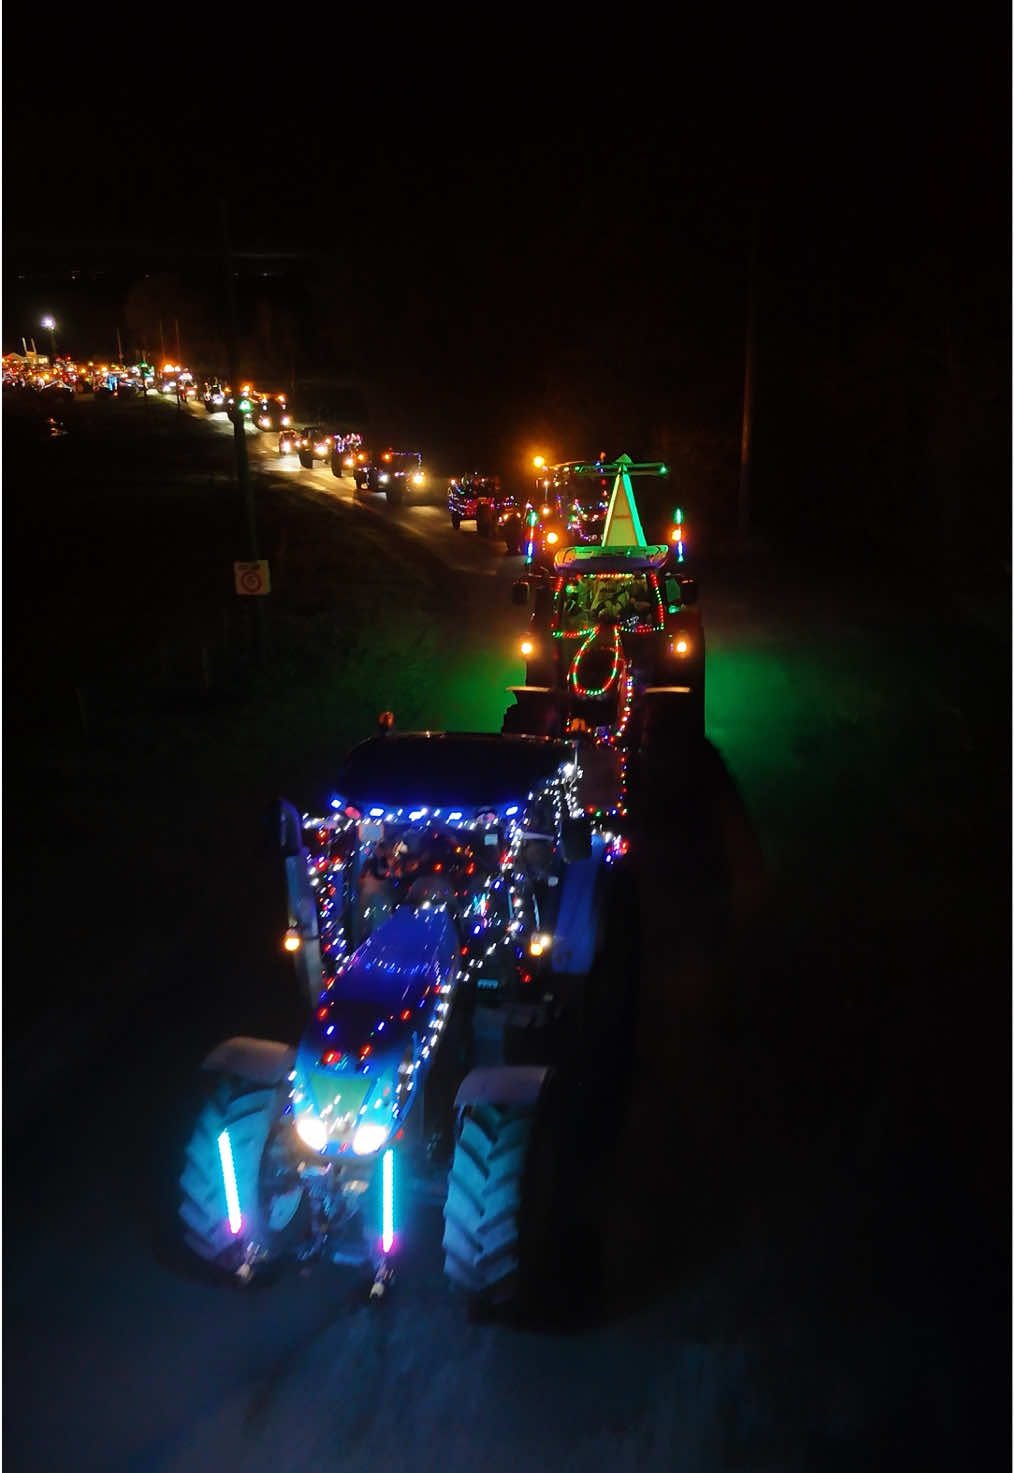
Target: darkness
[
  {"x": 538, "y": 249},
  {"x": 498, "y": 239}
]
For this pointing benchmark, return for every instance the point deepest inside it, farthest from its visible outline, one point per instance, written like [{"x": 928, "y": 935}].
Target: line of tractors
[{"x": 462, "y": 919}]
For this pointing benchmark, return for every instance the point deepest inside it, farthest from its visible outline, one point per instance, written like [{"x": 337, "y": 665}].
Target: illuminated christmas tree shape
[{"x": 623, "y": 523}]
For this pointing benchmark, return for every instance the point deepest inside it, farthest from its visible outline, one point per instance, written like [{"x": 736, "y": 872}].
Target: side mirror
[
  {"x": 519, "y": 592},
  {"x": 289, "y": 828},
  {"x": 673, "y": 592},
  {"x": 688, "y": 590}
]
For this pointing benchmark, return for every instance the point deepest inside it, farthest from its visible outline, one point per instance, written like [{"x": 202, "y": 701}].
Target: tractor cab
[{"x": 613, "y": 623}]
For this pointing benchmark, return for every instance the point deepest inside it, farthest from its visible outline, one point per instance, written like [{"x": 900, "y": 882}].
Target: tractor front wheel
[{"x": 242, "y": 1207}]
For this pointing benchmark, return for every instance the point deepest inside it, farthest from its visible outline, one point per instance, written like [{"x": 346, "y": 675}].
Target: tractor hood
[{"x": 378, "y": 1024}]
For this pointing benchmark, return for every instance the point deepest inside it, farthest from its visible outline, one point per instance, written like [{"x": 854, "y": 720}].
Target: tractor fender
[
  {"x": 256, "y": 1059},
  {"x": 511, "y": 1085}
]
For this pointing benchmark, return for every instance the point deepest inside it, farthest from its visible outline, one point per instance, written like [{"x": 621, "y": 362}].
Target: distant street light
[{"x": 50, "y": 324}]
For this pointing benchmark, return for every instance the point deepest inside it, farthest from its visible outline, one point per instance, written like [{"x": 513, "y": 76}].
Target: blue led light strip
[
  {"x": 387, "y": 1232},
  {"x": 229, "y": 1178}
]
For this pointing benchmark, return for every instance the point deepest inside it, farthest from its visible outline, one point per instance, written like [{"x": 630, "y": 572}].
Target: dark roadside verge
[{"x": 145, "y": 740}]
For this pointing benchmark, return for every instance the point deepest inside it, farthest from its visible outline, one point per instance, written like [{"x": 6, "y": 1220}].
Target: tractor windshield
[{"x": 630, "y": 598}]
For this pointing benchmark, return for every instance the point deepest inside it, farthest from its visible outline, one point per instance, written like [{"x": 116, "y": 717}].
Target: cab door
[{"x": 303, "y": 928}]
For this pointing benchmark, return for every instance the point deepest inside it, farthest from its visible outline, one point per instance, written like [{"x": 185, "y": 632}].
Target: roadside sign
[{"x": 252, "y": 577}]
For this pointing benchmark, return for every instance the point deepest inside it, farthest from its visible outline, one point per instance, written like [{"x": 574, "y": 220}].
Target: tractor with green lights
[
  {"x": 615, "y": 649},
  {"x": 453, "y": 918}
]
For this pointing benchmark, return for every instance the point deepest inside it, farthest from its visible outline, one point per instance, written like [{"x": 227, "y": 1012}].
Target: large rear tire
[
  {"x": 273, "y": 1209},
  {"x": 484, "y": 520},
  {"x": 512, "y": 535},
  {"x": 484, "y": 1204},
  {"x": 306, "y": 460},
  {"x": 395, "y": 493}
]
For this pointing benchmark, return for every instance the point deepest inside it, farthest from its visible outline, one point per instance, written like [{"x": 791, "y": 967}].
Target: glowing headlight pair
[{"x": 368, "y": 1138}]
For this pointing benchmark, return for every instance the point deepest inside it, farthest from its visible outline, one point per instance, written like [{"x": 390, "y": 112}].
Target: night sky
[{"x": 549, "y": 238}]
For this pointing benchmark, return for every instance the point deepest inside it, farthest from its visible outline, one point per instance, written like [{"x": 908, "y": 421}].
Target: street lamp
[{"x": 49, "y": 323}]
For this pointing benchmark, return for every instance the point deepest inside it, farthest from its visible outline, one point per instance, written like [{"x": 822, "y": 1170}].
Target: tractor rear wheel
[
  {"x": 486, "y": 1201},
  {"x": 512, "y": 536}
]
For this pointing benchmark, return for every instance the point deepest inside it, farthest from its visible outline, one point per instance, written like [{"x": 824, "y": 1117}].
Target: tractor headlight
[
  {"x": 312, "y": 1132},
  {"x": 383, "y": 478},
  {"x": 551, "y": 537},
  {"x": 527, "y": 647},
  {"x": 681, "y": 646},
  {"x": 369, "y": 1138},
  {"x": 418, "y": 479},
  {"x": 286, "y": 419},
  {"x": 292, "y": 940}
]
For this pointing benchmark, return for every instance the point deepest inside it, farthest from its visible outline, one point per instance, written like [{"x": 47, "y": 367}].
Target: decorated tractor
[
  {"x": 346, "y": 451},
  {"x": 482, "y": 499},
  {"x": 568, "y": 508},
  {"x": 445, "y": 916},
  {"x": 615, "y": 646},
  {"x": 395, "y": 472}
]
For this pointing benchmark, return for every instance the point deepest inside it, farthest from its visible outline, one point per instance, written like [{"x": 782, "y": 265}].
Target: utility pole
[
  {"x": 239, "y": 432},
  {"x": 746, "y": 435}
]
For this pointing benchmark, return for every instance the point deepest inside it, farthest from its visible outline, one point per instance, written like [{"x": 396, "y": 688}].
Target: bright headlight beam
[
  {"x": 312, "y": 1132},
  {"x": 369, "y": 1138},
  {"x": 229, "y": 1180}
]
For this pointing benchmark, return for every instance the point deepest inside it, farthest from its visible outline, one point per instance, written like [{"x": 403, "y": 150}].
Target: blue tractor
[{"x": 445, "y": 917}]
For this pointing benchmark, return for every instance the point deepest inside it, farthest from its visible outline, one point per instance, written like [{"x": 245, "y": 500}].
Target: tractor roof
[
  {"x": 467, "y": 770},
  {"x": 594, "y": 559}
]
